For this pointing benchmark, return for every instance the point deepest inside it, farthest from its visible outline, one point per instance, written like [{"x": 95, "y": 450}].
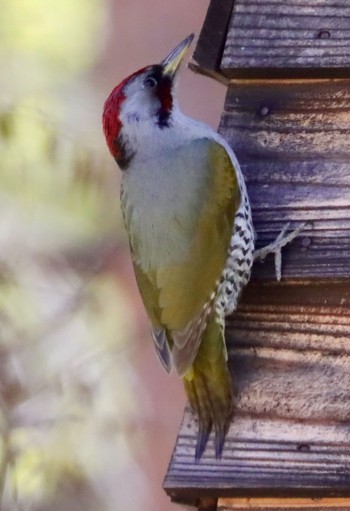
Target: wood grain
[
  {"x": 289, "y": 355},
  {"x": 283, "y": 504},
  {"x": 296, "y": 38},
  {"x": 292, "y": 139}
]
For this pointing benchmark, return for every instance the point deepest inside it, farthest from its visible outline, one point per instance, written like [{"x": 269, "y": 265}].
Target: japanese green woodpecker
[{"x": 188, "y": 219}]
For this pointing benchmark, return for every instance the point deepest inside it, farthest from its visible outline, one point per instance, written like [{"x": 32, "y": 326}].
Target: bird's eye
[{"x": 150, "y": 83}]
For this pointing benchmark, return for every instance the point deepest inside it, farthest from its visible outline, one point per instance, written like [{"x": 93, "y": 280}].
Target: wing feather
[
  {"x": 187, "y": 342},
  {"x": 162, "y": 348}
]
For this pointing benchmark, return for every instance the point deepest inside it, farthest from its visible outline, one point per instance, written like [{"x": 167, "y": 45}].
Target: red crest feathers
[{"x": 110, "y": 118}]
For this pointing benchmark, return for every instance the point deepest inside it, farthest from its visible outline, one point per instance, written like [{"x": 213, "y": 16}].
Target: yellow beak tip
[{"x": 172, "y": 62}]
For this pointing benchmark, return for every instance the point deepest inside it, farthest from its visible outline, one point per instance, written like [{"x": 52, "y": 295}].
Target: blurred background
[{"x": 88, "y": 418}]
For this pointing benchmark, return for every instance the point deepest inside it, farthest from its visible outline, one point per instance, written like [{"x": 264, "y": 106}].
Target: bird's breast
[{"x": 162, "y": 201}]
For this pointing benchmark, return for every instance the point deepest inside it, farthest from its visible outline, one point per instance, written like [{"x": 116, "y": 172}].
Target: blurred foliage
[
  {"x": 65, "y": 394},
  {"x": 48, "y": 40}
]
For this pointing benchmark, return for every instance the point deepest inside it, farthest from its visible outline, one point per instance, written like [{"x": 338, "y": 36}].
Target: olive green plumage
[{"x": 179, "y": 289}]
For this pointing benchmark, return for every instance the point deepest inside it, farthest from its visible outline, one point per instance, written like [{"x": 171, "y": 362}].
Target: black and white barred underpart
[{"x": 239, "y": 262}]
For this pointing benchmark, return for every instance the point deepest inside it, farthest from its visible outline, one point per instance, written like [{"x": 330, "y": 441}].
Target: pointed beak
[{"x": 172, "y": 62}]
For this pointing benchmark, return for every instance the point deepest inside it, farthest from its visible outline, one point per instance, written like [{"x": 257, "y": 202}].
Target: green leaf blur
[{"x": 65, "y": 321}]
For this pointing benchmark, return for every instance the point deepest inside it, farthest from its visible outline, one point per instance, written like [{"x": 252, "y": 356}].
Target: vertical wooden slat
[{"x": 211, "y": 41}]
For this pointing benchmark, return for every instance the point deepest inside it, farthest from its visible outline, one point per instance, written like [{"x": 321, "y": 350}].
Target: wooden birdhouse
[{"x": 287, "y": 117}]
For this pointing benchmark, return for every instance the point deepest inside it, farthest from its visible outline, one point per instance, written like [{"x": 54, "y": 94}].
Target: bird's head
[{"x": 143, "y": 97}]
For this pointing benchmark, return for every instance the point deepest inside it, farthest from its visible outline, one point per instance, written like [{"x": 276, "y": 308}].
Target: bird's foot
[{"x": 276, "y": 246}]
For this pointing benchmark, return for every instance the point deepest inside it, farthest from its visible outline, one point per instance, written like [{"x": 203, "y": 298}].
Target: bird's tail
[{"x": 209, "y": 388}]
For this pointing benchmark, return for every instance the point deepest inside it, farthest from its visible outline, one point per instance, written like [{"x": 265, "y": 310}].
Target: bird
[{"x": 188, "y": 219}]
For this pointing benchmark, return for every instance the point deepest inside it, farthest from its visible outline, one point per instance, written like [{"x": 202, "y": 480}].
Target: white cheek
[
  {"x": 132, "y": 117},
  {"x": 139, "y": 106}
]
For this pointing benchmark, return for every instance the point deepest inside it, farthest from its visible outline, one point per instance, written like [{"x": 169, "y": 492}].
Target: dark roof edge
[{"x": 212, "y": 39}]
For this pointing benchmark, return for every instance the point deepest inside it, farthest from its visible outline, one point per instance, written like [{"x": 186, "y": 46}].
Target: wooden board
[
  {"x": 211, "y": 41},
  {"x": 283, "y": 504},
  {"x": 292, "y": 139},
  {"x": 298, "y": 38},
  {"x": 289, "y": 354}
]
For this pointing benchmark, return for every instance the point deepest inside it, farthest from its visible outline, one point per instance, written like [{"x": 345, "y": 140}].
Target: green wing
[{"x": 177, "y": 296}]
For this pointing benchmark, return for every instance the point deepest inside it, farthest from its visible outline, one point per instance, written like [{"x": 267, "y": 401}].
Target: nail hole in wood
[
  {"x": 324, "y": 34},
  {"x": 264, "y": 110},
  {"x": 303, "y": 447}
]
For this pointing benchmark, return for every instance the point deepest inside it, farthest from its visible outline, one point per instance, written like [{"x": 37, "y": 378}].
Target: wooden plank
[
  {"x": 289, "y": 295},
  {"x": 292, "y": 139},
  {"x": 294, "y": 39},
  {"x": 299, "y": 3},
  {"x": 264, "y": 115},
  {"x": 289, "y": 353},
  {"x": 211, "y": 41},
  {"x": 263, "y": 457},
  {"x": 304, "y": 10},
  {"x": 283, "y": 504},
  {"x": 317, "y": 172},
  {"x": 272, "y": 37}
]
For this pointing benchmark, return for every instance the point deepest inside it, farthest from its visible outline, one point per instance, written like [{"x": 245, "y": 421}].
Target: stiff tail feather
[{"x": 209, "y": 388}]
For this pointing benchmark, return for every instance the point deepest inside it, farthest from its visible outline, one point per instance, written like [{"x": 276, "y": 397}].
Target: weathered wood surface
[
  {"x": 311, "y": 318},
  {"x": 293, "y": 142},
  {"x": 288, "y": 39},
  {"x": 283, "y": 504},
  {"x": 289, "y": 342},
  {"x": 289, "y": 352}
]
